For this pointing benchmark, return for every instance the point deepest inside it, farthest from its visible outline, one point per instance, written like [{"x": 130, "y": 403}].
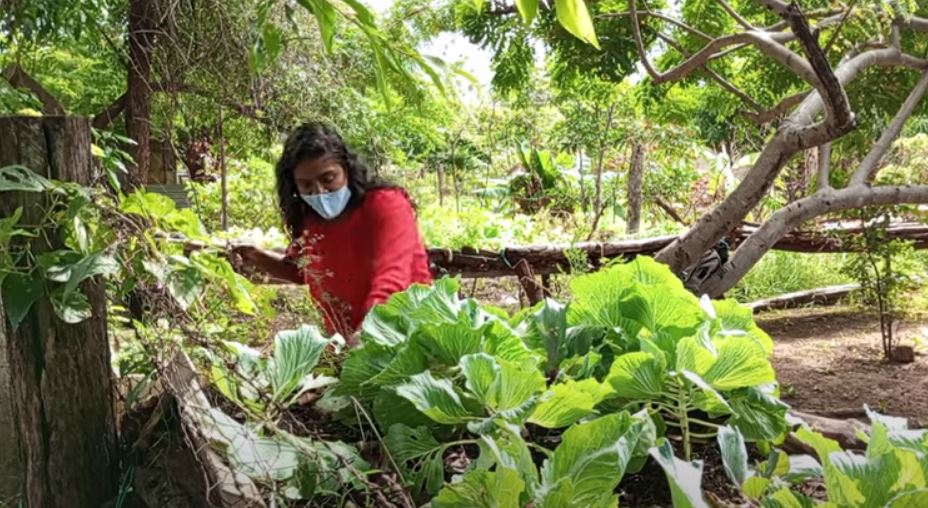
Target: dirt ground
[{"x": 829, "y": 362}]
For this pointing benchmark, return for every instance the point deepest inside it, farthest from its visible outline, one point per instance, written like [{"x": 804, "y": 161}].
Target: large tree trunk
[
  {"x": 142, "y": 26},
  {"x": 55, "y": 378},
  {"x": 635, "y": 180}
]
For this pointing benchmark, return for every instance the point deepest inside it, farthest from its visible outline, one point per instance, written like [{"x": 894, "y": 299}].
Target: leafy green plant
[
  {"x": 264, "y": 386},
  {"x": 542, "y": 185},
  {"x": 695, "y": 362},
  {"x": 885, "y": 270},
  {"x": 440, "y": 372},
  {"x": 891, "y": 473}
]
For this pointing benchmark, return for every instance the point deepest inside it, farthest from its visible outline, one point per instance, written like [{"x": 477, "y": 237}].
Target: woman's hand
[
  {"x": 247, "y": 252},
  {"x": 271, "y": 263}
]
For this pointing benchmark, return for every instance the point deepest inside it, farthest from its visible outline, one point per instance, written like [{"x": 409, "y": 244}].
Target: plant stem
[{"x": 683, "y": 417}]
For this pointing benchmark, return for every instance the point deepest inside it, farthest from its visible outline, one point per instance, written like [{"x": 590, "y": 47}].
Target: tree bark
[
  {"x": 142, "y": 26},
  {"x": 19, "y": 78},
  {"x": 59, "y": 375},
  {"x": 635, "y": 181},
  {"x": 787, "y": 218}
]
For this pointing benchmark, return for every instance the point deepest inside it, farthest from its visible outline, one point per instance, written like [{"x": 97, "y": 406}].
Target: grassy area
[{"x": 781, "y": 272}]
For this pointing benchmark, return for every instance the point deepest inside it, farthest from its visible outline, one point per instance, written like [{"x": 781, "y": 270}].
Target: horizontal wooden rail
[{"x": 556, "y": 258}]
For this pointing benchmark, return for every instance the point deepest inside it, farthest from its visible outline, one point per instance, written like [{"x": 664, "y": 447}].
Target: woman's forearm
[{"x": 276, "y": 266}]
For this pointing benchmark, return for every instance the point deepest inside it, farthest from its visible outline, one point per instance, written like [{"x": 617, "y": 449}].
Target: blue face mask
[{"x": 330, "y": 204}]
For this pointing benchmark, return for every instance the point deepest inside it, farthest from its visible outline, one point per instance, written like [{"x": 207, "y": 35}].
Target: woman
[{"x": 355, "y": 238}]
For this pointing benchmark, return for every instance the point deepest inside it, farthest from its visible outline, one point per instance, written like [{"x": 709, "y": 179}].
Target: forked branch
[{"x": 871, "y": 163}]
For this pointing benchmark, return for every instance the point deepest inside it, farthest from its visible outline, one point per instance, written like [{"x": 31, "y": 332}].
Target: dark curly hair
[{"x": 313, "y": 140}]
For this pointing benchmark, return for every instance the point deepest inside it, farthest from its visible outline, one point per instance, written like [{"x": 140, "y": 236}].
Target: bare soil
[{"x": 830, "y": 362}]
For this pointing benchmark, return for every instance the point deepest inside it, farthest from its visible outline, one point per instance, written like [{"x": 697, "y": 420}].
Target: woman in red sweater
[{"x": 355, "y": 238}]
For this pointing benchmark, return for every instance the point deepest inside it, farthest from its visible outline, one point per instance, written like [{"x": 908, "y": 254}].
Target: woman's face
[{"x": 318, "y": 176}]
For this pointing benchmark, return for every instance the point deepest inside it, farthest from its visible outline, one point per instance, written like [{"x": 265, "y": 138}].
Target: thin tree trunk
[
  {"x": 142, "y": 26},
  {"x": 599, "y": 173},
  {"x": 58, "y": 375},
  {"x": 635, "y": 181},
  {"x": 441, "y": 183},
  {"x": 583, "y": 204},
  {"x": 222, "y": 174}
]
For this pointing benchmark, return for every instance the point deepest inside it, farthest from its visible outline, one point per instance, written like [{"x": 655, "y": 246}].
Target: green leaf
[
  {"x": 755, "y": 486},
  {"x": 685, "y": 478},
  {"x": 591, "y": 460},
  {"x": 185, "y": 285},
  {"x": 262, "y": 458},
  {"x": 734, "y": 454},
  {"x": 855, "y": 480},
  {"x": 528, "y": 9},
  {"x": 481, "y": 373},
  {"x": 758, "y": 414},
  {"x": 435, "y": 398},
  {"x": 390, "y": 409},
  {"x": 707, "y": 399},
  {"x": 448, "y": 343},
  {"x": 801, "y": 468},
  {"x": 914, "y": 499},
  {"x": 735, "y": 319},
  {"x": 637, "y": 376},
  {"x": 549, "y": 329},
  {"x": 566, "y": 403},
  {"x": 383, "y": 325},
  {"x": 22, "y": 179},
  {"x": 20, "y": 291},
  {"x": 86, "y": 267},
  {"x": 785, "y": 498},
  {"x": 296, "y": 353},
  {"x": 361, "y": 365},
  {"x": 326, "y": 16},
  {"x": 420, "y": 455},
  {"x": 693, "y": 357},
  {"x": 408, "y": 361},
  {"x": 822, "y": 445},
  {"x": 509, "y": 450},
  {"x": 500, "y": 384},
  {"x": 739, "y": 364},
  {"x": 70, "y": 307},
  {"x": 482, "y": 489},
  {"x": 364, "y": 15}
]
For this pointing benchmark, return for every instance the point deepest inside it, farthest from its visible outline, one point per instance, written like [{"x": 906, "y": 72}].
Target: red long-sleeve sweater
[{"x": 362, "y": 257}]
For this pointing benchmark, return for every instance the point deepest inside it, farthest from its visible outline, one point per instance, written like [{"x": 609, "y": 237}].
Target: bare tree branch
[
  {"x": 824, "y": 166},
  {"x": 663, "y": 17},
  {"x": 871, "y": 163},
  {"x": 777, "y": 111},
  {"x": 724, "y": 83},
  {"x": 18, "y": 77},
  {"x": 763, "y": 41},
  {"x": 737, "y": 17},
  {"x": 789, "y": 217},
  {"x": 776, "y": 6},
  {"x": 837, "y": 108},
  {"x": 102, "y": 119},
  {"x": 912, "y": 23}
]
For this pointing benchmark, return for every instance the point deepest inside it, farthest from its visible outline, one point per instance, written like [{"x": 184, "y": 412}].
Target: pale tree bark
[
  {"x": 789, "y": 217},
  {"x": 800, "y": 130},
  {"x": 635, "y": 181},
  {"x": 871, "y": 163}
]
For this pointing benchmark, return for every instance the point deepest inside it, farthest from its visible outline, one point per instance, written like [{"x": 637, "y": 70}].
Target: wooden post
[
  {"x": 533, "y": 291},
  {"x": 58, "y": 376},
  {"x": 635, "y": 180}
]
